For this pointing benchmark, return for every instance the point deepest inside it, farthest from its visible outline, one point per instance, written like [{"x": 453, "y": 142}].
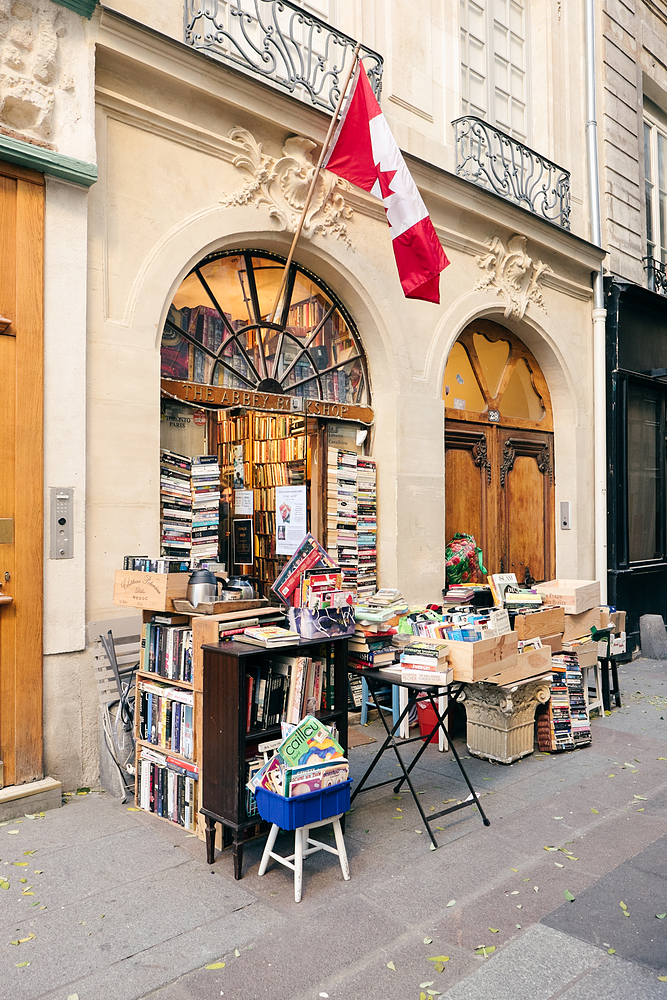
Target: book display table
[{"x": 377, "y": 679}]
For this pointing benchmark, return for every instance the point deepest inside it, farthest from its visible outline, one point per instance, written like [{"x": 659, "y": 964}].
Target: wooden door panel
[
  {"x": 21, "y": 476},
  {"x": 469, "y": 506},
  {"x": 526, "y": 504}
]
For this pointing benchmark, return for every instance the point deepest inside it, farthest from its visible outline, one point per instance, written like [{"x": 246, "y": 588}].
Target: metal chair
[{"x": 116, "y": 653}]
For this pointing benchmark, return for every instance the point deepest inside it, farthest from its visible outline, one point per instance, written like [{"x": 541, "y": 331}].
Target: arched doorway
[{"x": 499, "y": 467}]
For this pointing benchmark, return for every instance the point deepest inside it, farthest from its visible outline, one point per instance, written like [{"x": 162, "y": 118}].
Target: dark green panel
[{"x": 83, "y": 7}]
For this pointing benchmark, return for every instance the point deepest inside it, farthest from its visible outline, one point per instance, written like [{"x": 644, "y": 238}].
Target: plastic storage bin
[
  {"x": 302, "y": 810},
  {"x": 427, "y": 719}
]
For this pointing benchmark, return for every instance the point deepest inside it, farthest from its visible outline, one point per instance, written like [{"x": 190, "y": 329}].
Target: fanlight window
[
  {"x": 492, "y": 376},
  {"x": 217, "y": 331}
]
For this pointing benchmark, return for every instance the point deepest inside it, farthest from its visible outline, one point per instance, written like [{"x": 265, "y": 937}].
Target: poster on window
[{"x": 290, "y": 518}]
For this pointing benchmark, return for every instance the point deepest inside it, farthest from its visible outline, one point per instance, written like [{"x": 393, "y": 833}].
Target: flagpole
[{"x": 311, "y": 189}]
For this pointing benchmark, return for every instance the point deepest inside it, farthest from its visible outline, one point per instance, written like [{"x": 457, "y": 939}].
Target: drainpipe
[{"x": 599, "y": 313}]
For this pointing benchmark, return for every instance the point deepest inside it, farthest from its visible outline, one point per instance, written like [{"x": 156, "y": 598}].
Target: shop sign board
[{"x": 221, "y": 396}]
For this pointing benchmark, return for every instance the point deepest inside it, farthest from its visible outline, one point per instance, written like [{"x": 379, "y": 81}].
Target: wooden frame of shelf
[{"x": 224, "y": 737}]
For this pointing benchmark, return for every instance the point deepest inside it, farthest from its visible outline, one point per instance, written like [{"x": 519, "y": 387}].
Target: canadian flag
[{"x": 364, "y": 152}]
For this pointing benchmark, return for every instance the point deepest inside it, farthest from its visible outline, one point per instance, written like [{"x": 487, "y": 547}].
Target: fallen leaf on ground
[
  {"x": 518, "y": 906},
  {"x": 419, "y": 831},
  {"x": 622, "y": 905},
  {"x": 518, "y": 926},
  {"x": 390, "y": 965},
  {"x": 494, "y": 930},
  {"x": 593, "y": 810},
  {"x": 430, "y": 941},
  {"x": 611, "y": 951},
  {"x": 20, "y": 864},
  {"x": 642, "y": 797},
  {"x": 514, "y": 869},
  {"x": 439, "y": 958},
  {"x": 569, "y": 896},
  {"x": 558, "y": 864},
  {"x": 485, "y": 950},
  {"x": 558, "y": 817},
  {"x": 215, "y": 965},
  {"x": 237, "y": 953},
  {"x": 536, "y": 888},
  {"x": 29, "y": 853},
  {"x": 21, "y": 965},
  {"x": 133, "y": 809},
  {"x": 422, "y": 986},
  {"x": 73, "y": 996},
  {"x": 451, "y": 902},
  {"x": 661, "y": 916},
  {"x": 11, "y": 831},
  {"x": 663, "y": 979},
  {"x": 514, "y": 892}
]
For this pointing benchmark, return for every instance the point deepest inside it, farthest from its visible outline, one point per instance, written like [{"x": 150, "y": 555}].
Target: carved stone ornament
[
  {"x": 513, "y": 274},
  {"x": 283, "y": 184}
]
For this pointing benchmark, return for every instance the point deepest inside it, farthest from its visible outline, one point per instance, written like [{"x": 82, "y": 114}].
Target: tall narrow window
[
  {"x": 655, "y": 192},
  {"x": 493, "y": 63}
]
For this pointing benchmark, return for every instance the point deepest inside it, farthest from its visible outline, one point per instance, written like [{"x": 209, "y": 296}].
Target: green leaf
[
  {"x": 558, "y": 865},
  {"x": 451, "y": 902},
  {"x": 23, "y": 880},
  {"x": 422, "y": 986},
  {"x": 11, "y": 831},
  {"x": 73, "y": 996},
  {"x": 661, "y": 916},
  {"x": 390, "y": 965},
  {"x": 82, "y": 791},
  {"x": 611, "y": 951},
  {"x": 593, "y": 810},
  {"x": 518, "y": 926},
  {"x": 434, "y": 993},
  {"x": 494, "y": 930},
  {"x": 430, "y": 940},
  {"x": 21, "y": 965},
  {"x": 423, "y": 996},
  {"x": 569, "y": 896},
  {"x": 439, "y": 958},
  {"x": 215, "y": 965},
  {"x": 642, "y": 797},
  {"x": 663, "y": 979},
  {"x": 622, "y": 905},
  {"x": 237, "y": 953}
]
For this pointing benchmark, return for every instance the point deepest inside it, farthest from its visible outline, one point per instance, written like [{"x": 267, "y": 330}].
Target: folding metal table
[{"x": 380, "y": 678}]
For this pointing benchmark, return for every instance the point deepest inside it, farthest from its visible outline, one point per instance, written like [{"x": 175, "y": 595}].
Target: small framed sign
[{"x": 243, "y": 541}]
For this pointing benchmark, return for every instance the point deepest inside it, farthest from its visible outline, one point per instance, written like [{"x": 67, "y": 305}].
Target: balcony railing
[
  {"x": 280, "y": 43},
  {"x": 656, "y": 275},
  {"x": 497, "y": 162}
]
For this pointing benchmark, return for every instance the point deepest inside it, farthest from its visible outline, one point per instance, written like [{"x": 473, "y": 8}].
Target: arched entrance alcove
[{"x": 499, "y": 451}]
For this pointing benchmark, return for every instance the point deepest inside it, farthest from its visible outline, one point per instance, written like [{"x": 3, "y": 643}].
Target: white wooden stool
[
  {"x": 593, "y": 682},
  {"x": 302, "y": 850}
]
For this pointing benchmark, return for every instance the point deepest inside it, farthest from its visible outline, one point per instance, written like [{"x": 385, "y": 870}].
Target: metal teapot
[
  {"x": 243, "y": 584},
  {"x": 202, "y": 587}
]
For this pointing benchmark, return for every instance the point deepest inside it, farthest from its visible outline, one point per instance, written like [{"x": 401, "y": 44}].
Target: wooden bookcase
[
  {"x": 225, "y": 742},
  {"x": 205, "y": 629}
]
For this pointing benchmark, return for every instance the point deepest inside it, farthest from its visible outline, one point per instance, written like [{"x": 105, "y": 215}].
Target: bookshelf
[
  {"x": 258, "y": 451},
  {"x": 227, "y": 745},
  {"x": 160, "y": 744}
]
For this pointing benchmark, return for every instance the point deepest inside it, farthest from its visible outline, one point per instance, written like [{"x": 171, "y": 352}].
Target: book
[
  {"x": 440, "y": 677},
  {"x": 270, "y": 636},
  {"x": 309, "y": 742},
  {"x": 302, "y": 780}
]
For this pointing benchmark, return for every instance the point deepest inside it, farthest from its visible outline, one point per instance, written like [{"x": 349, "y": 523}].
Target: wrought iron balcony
[
  {"x": 656, "y": 275},
  {"x": 497, "y": 162},
  {"x": 279, "y": 42}
]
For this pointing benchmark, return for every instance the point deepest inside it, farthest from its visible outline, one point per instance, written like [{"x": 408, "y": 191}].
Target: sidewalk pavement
[{"x": 118, "y": 905}]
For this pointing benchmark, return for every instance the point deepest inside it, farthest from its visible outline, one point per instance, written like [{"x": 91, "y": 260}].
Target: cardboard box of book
[
  {"x": 149, "y": 591},
  {"x": 475, "y": 661},
  {"x": 575, "y": 595},
  {"x": 325, "y": 624}
]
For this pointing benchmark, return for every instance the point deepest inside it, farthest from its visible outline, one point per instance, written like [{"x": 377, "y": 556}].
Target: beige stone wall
[{"x": 166, "y": 196}]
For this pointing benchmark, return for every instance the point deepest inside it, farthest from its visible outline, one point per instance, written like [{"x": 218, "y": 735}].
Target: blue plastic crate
[{"x": 302, "y": 810}]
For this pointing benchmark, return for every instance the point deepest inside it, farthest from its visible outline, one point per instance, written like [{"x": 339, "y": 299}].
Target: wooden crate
[
  {"x": 149, "y": 591},
  {"x": 555, "y": 642},
  {"x": 575, "y": 595},
  {"x": 540, "y": 623},
  {"x": 532, "y": 663},
  {"x": 578, "y": 625},
  {"x": 474, "y": 661}
]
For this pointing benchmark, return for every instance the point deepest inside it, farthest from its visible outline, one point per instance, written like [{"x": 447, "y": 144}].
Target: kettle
[
  {"x": 244, "y": 585},
  {"x": 202, "y": 587}
]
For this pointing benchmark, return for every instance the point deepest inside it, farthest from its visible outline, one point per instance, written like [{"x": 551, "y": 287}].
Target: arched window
[{"x": 217, "y": 333}]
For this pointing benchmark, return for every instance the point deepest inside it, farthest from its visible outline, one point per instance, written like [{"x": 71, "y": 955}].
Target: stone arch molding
[{"x": 355, "y": 280}]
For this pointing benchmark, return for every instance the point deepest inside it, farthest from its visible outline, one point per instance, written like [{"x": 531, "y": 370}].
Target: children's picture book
[
  {"x": 309, "y": 743},
  {"x": 269, "y": 635}
]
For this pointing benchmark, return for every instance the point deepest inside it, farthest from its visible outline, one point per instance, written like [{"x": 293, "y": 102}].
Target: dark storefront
[{"x": 636, "y": 445}]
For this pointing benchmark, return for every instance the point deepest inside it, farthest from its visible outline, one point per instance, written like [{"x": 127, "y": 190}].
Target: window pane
[
  {"x": 643, "y": 472},
  {"x": 520, "y": 398},
  {"x": 492, "y": 359},
  {"x": 461, "y": 390}
]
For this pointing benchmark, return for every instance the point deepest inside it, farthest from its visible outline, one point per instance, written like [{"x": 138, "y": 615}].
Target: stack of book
[
  {"x": 366, "y": 526},
  {"x": 205, "y": 507},
  {"x": 309, "y": 759},
  {"x": 166, "y": 647},
  {"x": 566, "y": 724},
  {"x": 375, "y": 650},
  {"x": 425, "y": 662},
  {"x": 166, "y": 564},
  {"x": 175, "y": 504},
  {"x": 342, "y": 538},
  {"x": 269, "y": 636}
]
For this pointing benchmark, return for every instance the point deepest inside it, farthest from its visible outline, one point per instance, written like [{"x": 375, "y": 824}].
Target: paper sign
[
  {"x": 243, "y": 501},
  {"x": 290, "y": 518}
]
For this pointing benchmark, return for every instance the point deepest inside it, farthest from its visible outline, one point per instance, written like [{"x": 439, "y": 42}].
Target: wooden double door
[{"x": 499, "y": 458}]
